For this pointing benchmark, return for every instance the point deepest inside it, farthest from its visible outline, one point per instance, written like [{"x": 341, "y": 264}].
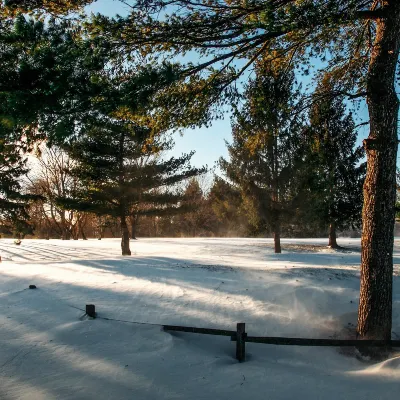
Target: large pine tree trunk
[
  {"x": 332, "y": 236},
  {"x": 275, "y": 196},
  {"x": 375, "y": 307},
  {"x": 126, "y": 251}
]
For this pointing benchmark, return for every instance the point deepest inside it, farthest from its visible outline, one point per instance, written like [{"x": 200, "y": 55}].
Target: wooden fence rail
[
  {"x": 323, "y": 342},
  {"x": 205, "y": 331},
  {"x": 240, "y": 337}
]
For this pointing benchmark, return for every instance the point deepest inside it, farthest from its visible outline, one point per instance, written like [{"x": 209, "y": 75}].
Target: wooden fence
[{"x": 240, "y": 336}]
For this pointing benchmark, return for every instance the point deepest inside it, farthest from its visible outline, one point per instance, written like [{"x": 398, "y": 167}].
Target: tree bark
[
  {"x": 134, "y": 222},
  {"x": 332, "y": 236},
  {"x": 277, "y": 241},
  {"x": 101, "y": 229},
  {"x": 126, "y": 251},
  {"x": 375, "y": 307},
  {"x": 81, "y": 230},
  {"x": 83, "y": 233}
]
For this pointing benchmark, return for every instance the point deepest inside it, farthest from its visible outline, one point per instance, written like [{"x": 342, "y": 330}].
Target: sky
[{"x": 209, "y": 143}]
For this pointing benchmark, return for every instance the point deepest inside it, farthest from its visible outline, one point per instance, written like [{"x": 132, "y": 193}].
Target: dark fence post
[
  {"x": 91, "y": 310},
  {"x": 241, "y": 341}
]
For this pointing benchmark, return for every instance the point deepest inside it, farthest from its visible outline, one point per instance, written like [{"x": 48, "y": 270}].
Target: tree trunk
[
  {"x": 101, "y": 228},
  {"x": 83, "y": 234},
  {"x": 277, "y": 241},
  {"x": 273, "y": 148},
  {"x": 81, "y": 230},
  {"x": 375, "y": 307},
  {"x": 134, "y": 222},
  {"x": 126, "y": 251},
  {"x": 332, "y": 236},
  {"x": 66, "y": 235}
]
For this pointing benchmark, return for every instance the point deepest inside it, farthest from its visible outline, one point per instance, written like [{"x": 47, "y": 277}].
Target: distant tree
[
  {"x": 335, "y": 168},
  {"x": 227, "y": 204},
  {"x": 51, "y": 180},
  {"x": 266, "y": 148},
  {"x": 197, "y": 218},
  {"x": 14, "y": 218}
]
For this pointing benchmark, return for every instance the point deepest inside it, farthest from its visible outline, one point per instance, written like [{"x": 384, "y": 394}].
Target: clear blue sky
[{"x": 209, "y": 143}]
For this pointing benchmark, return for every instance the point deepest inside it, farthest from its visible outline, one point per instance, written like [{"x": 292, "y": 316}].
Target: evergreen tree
[
  {"x": 265, "y": 150},
  {"x": 227, "y": 204},
  {"x": 13, "y": 204},
  {"x": 116, "y": 183},
  {"x": 45, "y": 78},
  {"x": 334, "y": 167},
  {"x": 49, "y": 77},
  {"x": 198, "y": 217}
]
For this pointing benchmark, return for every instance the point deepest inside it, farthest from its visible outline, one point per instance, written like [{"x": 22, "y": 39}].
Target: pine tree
[
  {"x": 13, "y": 203},
  {"x": 334, "y": 167},
  {"x": 265, "y": 149},
  {"x": 198, "y": 217},
  {"x": 227, "y": 204},
  {"x": 45, "y": 78},
  {"x": 115, "y": 180}
]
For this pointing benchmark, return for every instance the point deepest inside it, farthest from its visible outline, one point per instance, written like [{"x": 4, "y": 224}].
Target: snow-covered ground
[{"x": 50, "y": 351}]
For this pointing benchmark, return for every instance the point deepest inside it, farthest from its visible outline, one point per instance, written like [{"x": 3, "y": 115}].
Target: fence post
[
  {"x": 91, "y": 310},
  {"x": 241, "y": 341}
]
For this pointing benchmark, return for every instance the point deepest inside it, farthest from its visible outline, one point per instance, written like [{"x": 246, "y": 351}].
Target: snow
[{"x": 50, "y": 350}]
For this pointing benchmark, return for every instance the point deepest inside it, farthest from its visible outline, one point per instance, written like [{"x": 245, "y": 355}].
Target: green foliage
[
  {"x": 56, "y": 84},
  {"x": 13, "y": 204},
  {"x": 266, "y": 149},
  {"x": 334, "y": 167},
  {"x": 227, "y": 205},
  {"x": 119, "y": 150},
  {"x": 198, "y": 218},
  {"x": 230, "y": 36},
  {"x": 43, "y": 82},
  {"x": 120, "y": 171},
  {"x": 11, "y": 7},
  {"x": 47, "y": 77}
]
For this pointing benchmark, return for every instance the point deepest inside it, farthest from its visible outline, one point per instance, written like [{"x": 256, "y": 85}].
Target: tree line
[{"x": 288, "y": 173}]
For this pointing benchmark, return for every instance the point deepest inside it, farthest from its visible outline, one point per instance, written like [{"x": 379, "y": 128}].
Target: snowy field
[{"x": 49, "y": 350}]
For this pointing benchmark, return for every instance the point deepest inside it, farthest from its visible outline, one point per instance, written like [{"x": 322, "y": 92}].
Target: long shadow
[
  {"x": 63, "y": 254},
  {"x": 48, "y": 351},
  {"x": 12, "y": 253},
  {"x": 190, "y": 292}
]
